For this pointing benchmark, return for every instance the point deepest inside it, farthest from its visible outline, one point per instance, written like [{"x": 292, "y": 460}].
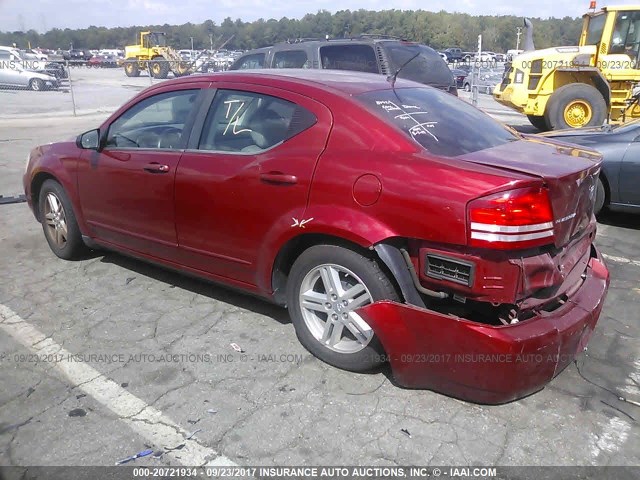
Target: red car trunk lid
[{"x": 569, "y": 173}]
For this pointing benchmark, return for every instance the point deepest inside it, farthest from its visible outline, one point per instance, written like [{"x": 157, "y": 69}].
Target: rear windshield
[
  {"x": 428, "y": 68},
  {"x": 443, "y": 124}
]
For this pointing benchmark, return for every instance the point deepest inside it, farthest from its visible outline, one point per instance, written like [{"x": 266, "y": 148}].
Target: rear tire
[
  {"x": 576, "y": 105},
  {"x": 539, "y": 122},
  {"x": 467, "y": 87},
  {"x": 59, "y": 221},
  {"x": 182, "y": 70},
  {"x": 326, "y": 285},
  {"x": 131, "y": 68}
]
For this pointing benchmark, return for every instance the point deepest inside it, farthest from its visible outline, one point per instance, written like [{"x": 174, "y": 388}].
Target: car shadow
[
  {"x": 199, "y": 286},
  {"x": 620, "y": 219}
]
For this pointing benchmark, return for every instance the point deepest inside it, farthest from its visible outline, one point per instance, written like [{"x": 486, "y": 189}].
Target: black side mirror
[{"x": 89, "y": 140}]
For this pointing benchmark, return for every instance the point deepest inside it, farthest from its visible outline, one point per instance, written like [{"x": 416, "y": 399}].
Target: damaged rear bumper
[{"x": 484, "y": 363}]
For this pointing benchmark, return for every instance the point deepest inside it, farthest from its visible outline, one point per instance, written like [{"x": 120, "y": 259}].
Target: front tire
[
  {"x": 326, "y": 285},
  {"x": 36, "y": 84},
  {"x": 59, "y": 221},
  {"x": 159, "y": 69},
  {"x": 576, "y": 105}
]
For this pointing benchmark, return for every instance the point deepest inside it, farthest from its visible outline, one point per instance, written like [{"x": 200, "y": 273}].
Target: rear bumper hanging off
[{"x": 485, "y": 363}]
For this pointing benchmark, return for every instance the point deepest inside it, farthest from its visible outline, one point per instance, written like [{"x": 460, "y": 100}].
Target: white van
[
  {"x": 513, "y": 53},
  {"x": 15, "y": 71},
  {"x": 113, "y": 51}
]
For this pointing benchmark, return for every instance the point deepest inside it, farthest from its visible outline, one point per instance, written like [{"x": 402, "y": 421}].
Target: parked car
[
  {"x": 453, "y": 54},
  {"x": 366, "y": 54},
  {"x": 34, "y": 54},
  {"x": 103, "y": 61},
  {"x": 77, "y": 55},
  {"x": 618, "y": 186},
  {"x": 468, "y": 56},
  {"x": 54, "y": 69},
  {"x": 460, "y": 76},
  {"x": 395, "y": 221},
  {"x": 487, "y": 81},
  {"x": 13, "y": 72}
]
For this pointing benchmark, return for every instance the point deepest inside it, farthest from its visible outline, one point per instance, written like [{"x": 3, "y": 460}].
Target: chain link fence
[
  {"x": 478, "y": 76},
  {"x": 85, "y": 87}
]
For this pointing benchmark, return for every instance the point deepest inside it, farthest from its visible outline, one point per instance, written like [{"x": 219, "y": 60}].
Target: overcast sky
[{"x": 42, "y": 15}]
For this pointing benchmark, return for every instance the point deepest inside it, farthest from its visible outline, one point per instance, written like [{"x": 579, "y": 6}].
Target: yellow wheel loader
[
  {"x": 585, "y": 85},
  {"x": 152, "y": 53}
]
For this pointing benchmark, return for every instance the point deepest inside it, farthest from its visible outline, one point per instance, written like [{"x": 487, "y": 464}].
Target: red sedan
[{"x": 396, "y": 222}]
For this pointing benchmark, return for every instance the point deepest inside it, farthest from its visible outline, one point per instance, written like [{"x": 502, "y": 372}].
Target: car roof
[{"x": 345, "y": 81}]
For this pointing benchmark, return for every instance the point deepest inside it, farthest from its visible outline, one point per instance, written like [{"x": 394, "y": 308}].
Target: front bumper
[{"x": 484, "y": 363}]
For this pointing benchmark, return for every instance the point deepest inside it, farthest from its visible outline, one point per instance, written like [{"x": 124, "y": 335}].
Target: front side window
[
  {"x": 155, "y": 122},
  {"x": 441, "y": 123},
  {"x": 360, "y": 58},
  {"x": 255, "y": 60},
  {"x": 595, "y": 29},
  {"x": 250, "y": 122},
  {"x": 290, "y": 59}
]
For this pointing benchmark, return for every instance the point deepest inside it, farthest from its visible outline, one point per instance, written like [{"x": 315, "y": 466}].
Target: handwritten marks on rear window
[{"x": 415, "y": 118}]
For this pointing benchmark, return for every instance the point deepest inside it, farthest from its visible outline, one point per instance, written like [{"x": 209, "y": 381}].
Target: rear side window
[
  {"x": 251, "y": 122},
  {"x": 255, "y": 60},
  {"x": 428, "y": 67},
  {"x": 290, "y": 59},
  {"x": 360, "y": 58},
  {"x": 441, "y": 123}
]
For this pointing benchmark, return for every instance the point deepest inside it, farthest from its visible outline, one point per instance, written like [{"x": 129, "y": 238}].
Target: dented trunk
[{"x": 569, "y": 173}]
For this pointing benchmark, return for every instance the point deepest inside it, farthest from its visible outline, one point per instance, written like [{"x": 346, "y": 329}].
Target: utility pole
[
  {"x": 519, "y": 32},
  {"x": 475, "y": 73},
  {"x": 191, "y": 47}
]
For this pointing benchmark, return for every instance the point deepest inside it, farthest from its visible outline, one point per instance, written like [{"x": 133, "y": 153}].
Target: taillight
[{"x": 520, "y": 218}]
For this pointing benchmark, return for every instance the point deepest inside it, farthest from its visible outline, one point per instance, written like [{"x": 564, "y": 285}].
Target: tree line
[{"x": 437, "y": 29}]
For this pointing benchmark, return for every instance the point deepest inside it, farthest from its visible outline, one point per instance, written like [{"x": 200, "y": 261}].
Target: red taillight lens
[{"x": 520, "y": 218}]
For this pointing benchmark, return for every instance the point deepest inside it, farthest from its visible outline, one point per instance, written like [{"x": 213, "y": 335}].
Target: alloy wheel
[
  {"x": 55, "y": 220},
  {"x": 329, "y": 296}
]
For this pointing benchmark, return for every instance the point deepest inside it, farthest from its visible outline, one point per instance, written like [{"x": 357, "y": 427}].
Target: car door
[
  {"x": 126, "y": 188},
  {"x": 629, "y": 180},
  {"x": 248, "y": 174}
]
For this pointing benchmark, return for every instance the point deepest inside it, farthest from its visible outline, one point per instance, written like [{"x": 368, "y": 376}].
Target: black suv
[
  {"x": 77, "y": 55},
  {"x": 381, "y": 55}
]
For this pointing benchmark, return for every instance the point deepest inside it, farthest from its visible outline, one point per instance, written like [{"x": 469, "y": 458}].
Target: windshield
[
  {"x": 441, "y": 123},
  {"x": 158, "y": 39}
]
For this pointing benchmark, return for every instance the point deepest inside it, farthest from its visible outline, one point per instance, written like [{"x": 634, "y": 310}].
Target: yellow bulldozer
[
  {"x": 152, "y": 53},
  {"x": 585, "y": 85}
]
